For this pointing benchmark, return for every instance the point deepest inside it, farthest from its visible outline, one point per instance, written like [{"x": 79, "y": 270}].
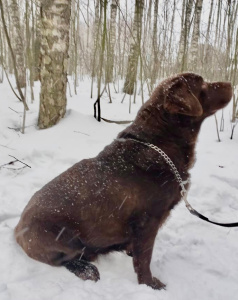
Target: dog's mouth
[{"x": 222, "y": 92}]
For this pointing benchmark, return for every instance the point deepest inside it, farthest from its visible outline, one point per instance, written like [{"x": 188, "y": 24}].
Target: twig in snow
[
  {"x": 7, "y": 147},
  {"x": 20, "y": 161},
  {"x": 82, "y": 133},
  {"x": 14, "y": 111},
  {"x": 15, "y": 169},
  {"x": 16, "y": 129},
  {"x": 10, "y": 163}
]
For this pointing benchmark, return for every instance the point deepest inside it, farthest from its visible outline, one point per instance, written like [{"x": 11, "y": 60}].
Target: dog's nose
[{"x": 228, "y": 85}]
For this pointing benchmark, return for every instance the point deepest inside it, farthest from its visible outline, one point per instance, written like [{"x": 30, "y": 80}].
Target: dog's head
[{"x": 188, "y": 94}]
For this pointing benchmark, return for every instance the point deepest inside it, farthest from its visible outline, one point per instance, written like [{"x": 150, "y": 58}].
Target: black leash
[
  {"x": 197, "y": 214},
  {"x": 180, "y": 181}
]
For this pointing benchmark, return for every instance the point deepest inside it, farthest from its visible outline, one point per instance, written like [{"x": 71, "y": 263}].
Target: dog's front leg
[{"x": 142, "y": 248}]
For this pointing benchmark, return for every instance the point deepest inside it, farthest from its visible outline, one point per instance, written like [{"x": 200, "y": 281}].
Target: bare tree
[
  {"x": 103, "y": 11},
  {"x": 155, "y": 49},
  {"x": 18, "y": 47},
  {"x": 37, "y": 39},
  {"x": 207, "y": 41},
  {"x": 134, "y": 48},
  {"x": 54, "y": 59},
  {"x": 96, "y": 39},
  {"x": 235, "y": 80},
  {"x": 21, "y": 96},
  {"x": 112, "y": 40},
  {"x": 196, "y": 34},
  {"x": 185, "y": 28}
]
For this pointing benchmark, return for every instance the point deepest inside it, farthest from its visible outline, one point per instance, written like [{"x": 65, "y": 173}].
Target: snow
[{"x": 195, "y": 259}]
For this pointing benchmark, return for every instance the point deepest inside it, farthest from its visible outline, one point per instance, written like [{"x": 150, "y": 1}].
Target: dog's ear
[{"x": 179, "y": 99}]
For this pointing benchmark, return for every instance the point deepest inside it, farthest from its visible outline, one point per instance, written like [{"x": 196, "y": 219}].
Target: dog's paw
[
  {"x": 156, "y": 284},
  {"x": 90, "y": 273},
  {"x": 83, "y": 269}
]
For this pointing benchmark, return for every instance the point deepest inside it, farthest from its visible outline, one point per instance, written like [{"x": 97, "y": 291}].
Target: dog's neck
[{"x": 177, "y": 139}]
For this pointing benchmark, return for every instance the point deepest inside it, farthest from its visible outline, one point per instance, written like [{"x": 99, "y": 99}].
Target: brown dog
[{"x": 119, "y": 199}]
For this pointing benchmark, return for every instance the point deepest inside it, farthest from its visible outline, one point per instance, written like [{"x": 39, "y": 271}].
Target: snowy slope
[{"x": 195, "y": 259}]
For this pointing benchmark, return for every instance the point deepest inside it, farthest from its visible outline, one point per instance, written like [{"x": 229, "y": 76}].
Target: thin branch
[
  {"x": 10, "y": 82},
  {"x": 10, "y": 163},
  {"x": 82, "y": 133},
  {"x": 7, "y": 147},
  {"x": 20, "y": 161},
  {"x": 14, "y": 111},
  {"x": 219, "y": 140}
]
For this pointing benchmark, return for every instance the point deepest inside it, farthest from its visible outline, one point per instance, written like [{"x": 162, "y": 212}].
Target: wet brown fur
[{"x": 119, "y": 199}]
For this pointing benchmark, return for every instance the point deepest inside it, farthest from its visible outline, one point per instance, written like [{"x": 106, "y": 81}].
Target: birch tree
[
  {"x": 54, "y": 60},
  {"x": 18, "y": 47},
  {"x": 36, "y": 46},
  {"x": 134, "y": 48},
  {"x": 196, "y": 34},
  {"x": 112, "y": 40},
  {"x": 185, "y": 28},
  {"x": 155, "y": 50},
  {"x": 207, "y": 41},
  {"x": 103, "y": 12}
]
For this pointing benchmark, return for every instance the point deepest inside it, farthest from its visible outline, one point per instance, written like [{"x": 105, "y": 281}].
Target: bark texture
[
  {"x": 185, "y": 28},
  {"x": 196, "y": 34},
  {"x": 155, "y": 48},
  {"x": 134, "y": 48},
  {"x": 54, "y": 60},
  {"x": 112, "y": 40},
  {"x": 18, "y": 47}
]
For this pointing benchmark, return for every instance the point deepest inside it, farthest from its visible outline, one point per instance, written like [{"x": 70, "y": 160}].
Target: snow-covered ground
[{"x": 195, "y": 259}]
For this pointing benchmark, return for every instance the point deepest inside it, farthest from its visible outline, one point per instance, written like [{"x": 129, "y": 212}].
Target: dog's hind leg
[{"x": 83, "y": 269}]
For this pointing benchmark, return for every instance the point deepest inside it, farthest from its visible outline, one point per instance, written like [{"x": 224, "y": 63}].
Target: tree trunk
[
  {"x": 103, "y": 11},
  {"x": 134, "y": 49},
  {"x": 232, "y": 8},
  {"x": 112, "y": 40},
  {"x": 195, "y": 36},
  {"x": 218, "y": 23},
  {"x": 170, "y": 56},
  {"x": 234, "y": 79},
  {"x": 155, "y": 50},
  {"x": 37, "y": 43},
  {"x": 54, "y": 60},
  {"x": 185, "y": 28},
  {"x": 207, "y": 40},
  {"x": 18, "y": 47},
  {"x": 96, "y": 37}
]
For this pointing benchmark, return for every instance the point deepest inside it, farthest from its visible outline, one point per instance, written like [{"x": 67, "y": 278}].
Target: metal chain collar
[{"x": 178, "y": 177}]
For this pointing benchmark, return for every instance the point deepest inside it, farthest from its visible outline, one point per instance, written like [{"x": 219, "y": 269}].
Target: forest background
[{"x": 122, "y": 45}]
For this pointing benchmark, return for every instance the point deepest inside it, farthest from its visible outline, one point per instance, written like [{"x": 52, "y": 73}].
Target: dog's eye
[{"x": 202, "y": 94}]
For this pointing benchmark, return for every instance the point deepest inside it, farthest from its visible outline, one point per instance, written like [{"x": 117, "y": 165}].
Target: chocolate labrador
[{"x": 118, "y": 200}]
